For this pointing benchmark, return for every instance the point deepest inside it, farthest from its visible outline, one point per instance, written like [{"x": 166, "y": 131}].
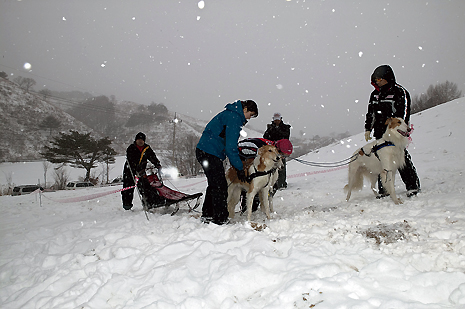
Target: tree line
[{"x": 435, "y": 95}]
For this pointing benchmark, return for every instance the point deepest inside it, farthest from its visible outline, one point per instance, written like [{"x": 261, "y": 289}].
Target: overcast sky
[{"x": 310, "y": 60}]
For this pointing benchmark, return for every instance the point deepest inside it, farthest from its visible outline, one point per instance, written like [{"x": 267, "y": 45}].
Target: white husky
[{"x": 382, "y": 157}]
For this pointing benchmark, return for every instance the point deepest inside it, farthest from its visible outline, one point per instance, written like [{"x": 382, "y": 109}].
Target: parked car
[
  {"x": 117, "y": 181},
  {"x": 25, "y": 189},
  {"x": 73, "y": 185}
]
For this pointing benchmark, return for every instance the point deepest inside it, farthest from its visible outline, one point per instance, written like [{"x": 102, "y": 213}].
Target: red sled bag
[{"x": 169, "y": 196}]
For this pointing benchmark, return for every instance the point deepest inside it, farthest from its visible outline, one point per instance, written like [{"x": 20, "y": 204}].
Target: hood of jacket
[
  {"x": 222, "y": 133},
  {"x": 237, "y": 107},
  {"x": 384, "y": 72}
]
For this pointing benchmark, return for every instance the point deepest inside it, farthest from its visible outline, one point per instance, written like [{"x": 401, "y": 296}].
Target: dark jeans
[
  {"x": 281, "y": 182},
  {"x": 256, "y": 202},
  {"x": 408, "y": 174},
  {"x": 150, "y": 197},
  {"x": 215, "y": 207},
  {"x": 127, "y": 195}
]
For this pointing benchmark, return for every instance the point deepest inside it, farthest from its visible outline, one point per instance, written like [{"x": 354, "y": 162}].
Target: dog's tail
[{"x": 356, "y": 178}]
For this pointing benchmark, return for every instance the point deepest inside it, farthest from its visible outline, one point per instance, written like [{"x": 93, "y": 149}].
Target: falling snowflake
[{"x": 201, "y": 4}]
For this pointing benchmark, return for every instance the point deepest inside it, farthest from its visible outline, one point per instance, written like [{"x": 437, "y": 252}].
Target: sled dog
[
  {"x": 262, "y": 173},
  {"x": 382, "y": 157}
]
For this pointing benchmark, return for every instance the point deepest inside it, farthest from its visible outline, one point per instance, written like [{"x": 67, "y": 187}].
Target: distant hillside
[
  {"x": 21, "y": 114},
  {"x": 23, "y": 135}
]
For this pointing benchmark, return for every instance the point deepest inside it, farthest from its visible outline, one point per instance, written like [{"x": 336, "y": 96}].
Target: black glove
[{"x": 241, "y": 175}]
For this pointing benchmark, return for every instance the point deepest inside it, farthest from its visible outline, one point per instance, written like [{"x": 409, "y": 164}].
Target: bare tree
[
  {"x": 61, "y": 177},
  {"x": 24, "y": 82},
  {"x": 187, "y": 162},
  {"x": 46, "y": 93},
  {"x": 46, "y": 165},
  {"x": 97, "y": 112},
  {"x": 435, "y": 95},
  {"x": 9, "y": 179}
]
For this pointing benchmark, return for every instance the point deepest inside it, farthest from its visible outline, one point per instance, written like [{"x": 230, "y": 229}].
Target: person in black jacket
[
  {"x": 390, "y": 99},
  {"x": 275, "y": 131},
  {"x": 137, "y": 155}
]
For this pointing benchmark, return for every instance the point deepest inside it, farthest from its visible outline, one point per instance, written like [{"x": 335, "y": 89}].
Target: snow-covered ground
[{"x": 317, "y": 251}]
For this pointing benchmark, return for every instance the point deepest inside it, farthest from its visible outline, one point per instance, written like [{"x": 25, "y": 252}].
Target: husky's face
[
  {"x": 268, "y": 153},
  {"x": 398, "y": 125}
]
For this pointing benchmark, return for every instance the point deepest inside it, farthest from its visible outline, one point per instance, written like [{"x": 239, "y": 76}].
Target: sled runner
[{"x": 156, "y": 194}]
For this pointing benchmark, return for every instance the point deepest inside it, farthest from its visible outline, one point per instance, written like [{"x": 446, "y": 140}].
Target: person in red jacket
[{"x": 137, "y": 155}]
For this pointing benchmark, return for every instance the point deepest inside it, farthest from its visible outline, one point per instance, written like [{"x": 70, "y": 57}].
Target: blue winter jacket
[{"x": 222, "y": 133}]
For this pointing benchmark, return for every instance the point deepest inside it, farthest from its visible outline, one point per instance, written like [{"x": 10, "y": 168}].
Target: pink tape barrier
[
  {"x": 86, "y": 197},
  {"x": 97, "y": 195}
]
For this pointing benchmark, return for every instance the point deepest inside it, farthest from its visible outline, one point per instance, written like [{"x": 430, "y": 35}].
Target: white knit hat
[{"x": 277, "y": 116}]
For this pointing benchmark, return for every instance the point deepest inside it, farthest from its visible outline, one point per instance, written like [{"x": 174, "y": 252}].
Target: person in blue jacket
[{"x": 218, "y": 141}]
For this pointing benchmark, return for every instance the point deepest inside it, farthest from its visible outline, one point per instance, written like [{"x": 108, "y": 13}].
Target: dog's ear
[{"x": 388, "y": 121}]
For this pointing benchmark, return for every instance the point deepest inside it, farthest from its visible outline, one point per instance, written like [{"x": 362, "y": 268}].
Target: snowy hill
[
  {"x": 20, "y": 115},
  {"x": 317, "y": 250}
]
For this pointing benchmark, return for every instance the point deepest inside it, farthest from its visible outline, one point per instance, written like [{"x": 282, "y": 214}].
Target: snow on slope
[
  {"x": 20, "y": 116},
  {"x": 317, "y": 251}
]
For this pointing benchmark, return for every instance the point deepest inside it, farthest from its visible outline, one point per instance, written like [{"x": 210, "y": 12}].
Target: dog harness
[
  {"x": 258, "y": 173},
  {"x": 375, "y": 149}
]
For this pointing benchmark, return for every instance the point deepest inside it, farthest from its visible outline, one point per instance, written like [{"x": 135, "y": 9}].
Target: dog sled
[{"x": 155, "y": 194}]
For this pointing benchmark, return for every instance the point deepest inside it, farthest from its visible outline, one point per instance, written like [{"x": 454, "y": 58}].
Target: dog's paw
[{"x": 258, "y": 227}]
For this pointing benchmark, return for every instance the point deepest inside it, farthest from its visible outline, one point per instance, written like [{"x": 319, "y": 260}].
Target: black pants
[
  {"x": 215, "y": 207},
  {"x": 281, "y": 182},
  {"x": 408, "y": 174},
  {"x": 256, "y": 202},
  {"x": 150, "y": 197},
  {"x": 127, "y": 195}
]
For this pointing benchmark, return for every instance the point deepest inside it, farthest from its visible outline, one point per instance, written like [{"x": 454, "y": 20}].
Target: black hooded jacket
[
  {"x": 275, "y": 133},
  {"x": 138, "y": 159},
  {"x": 391, "y": 100}
]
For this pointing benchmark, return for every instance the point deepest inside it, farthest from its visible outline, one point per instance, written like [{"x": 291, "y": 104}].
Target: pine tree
[{"x": 79, "y": 150}]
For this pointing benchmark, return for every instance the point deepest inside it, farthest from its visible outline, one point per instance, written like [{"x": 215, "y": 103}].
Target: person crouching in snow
[
  {"x": 218, "y": 140},
  {"x": 248, "y": 149}
]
